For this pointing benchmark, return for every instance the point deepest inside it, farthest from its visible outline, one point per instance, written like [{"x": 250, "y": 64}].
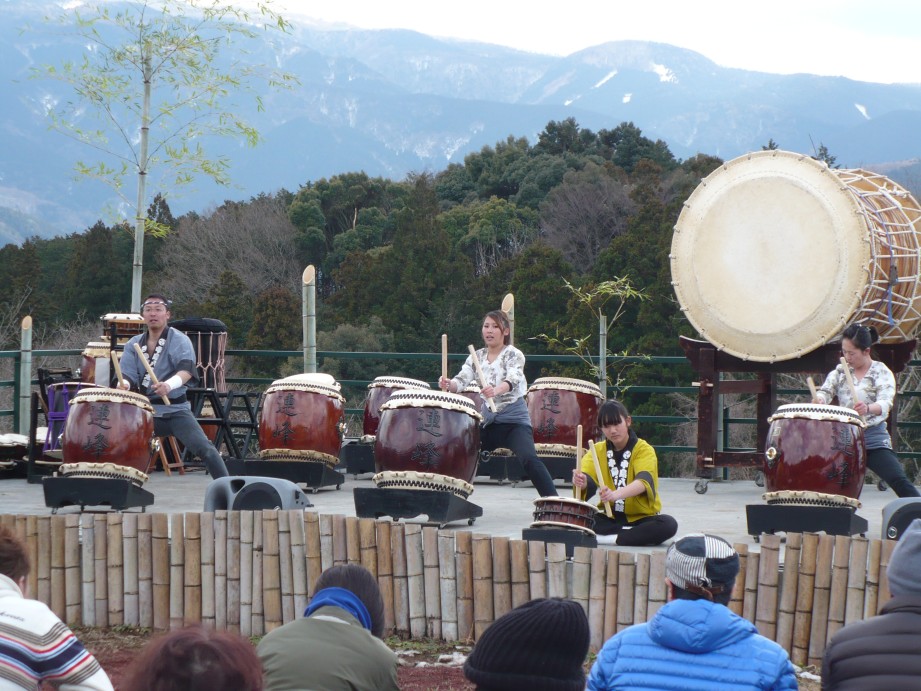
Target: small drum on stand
[
  {"x": 302, "y": 419},
  {"x": 379, "y": 392},
  {"x": 557, "y": 407},
  {"x": 427, "y": 440},
  {"x": 126, "y": 327},
  {"x": 209, "y": 341},
  {"x": 108, "y": 434},
  {"x": 564, "y": 512},
  {"x": 95, "y": 367}
]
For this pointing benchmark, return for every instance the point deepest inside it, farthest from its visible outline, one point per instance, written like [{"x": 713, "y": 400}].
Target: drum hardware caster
[{"x": 701, "y": 486}]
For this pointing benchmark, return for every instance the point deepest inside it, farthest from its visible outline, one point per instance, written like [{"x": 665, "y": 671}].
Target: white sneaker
[{"x": 606, "y": 539}]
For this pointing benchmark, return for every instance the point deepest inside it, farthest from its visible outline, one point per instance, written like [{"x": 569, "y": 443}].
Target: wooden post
[
  {"x": 626, "y": 578},
  {"x": 220, "y": 570},
  {"x": 464, "y": 579},
  {"x": 246, "y": 573},
  {"x": 208, "y": 577},
  {"x": 805, "y": 595},
  {"x": 483, "y": 607},
  {"x": 820, "y": 600},
  {"x": 788, "y": 592},
  {"x": 87, "y": 556},
  {"x": 537, "y": 567},
  {"x": 234, "y": 571},
  {"x": 521, "y": 582},
  {"x": 271, "y": 577},
  {"x": 768, "y": 578},
  {"x": 130, "y": 554},
  {"x": 431, "y": 573},
  {"x": 160, "y": 552},
  {"x": 176, "y": 571},
  {"x": 596, "y": 598},
  {"x": 611, "y": 594},
  {"x": 73, "y": 592},
  {"x": 58, "y": 605},
  {"x": 415, "y": 579},
  {"x": 447, "y": 583},
  {"x": 385, "y": 570},
  {"x": 116, "y": 570}
]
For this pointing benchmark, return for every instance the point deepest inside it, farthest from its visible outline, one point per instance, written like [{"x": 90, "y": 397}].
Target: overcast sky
[{"x": 871, "y": 40}]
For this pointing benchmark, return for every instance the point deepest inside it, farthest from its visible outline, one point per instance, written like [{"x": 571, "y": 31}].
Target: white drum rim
[
  {"x": 567, "y": 384},
  {"x": 809, "y": 498},
  {"x": 97, "y": 349},
  {"x": 95, "y": 394},
  {"x": 561, "y": 524},
  {"x": 315, "y": 378},
  {"x": 818, "y": 411},
  {"x": 299, "y": 455},
  {"x": 125, "y": 317},
  {"x": 399, "y": 383},
  {"x": 104, "y": 470},
  {"x": 411, "y": 479},
  {"x": 566, "y": 500},
  {"x": 433, "y": 398},
  {"x": 305, "y": 387},
  {"x": 841, "y": 229}
]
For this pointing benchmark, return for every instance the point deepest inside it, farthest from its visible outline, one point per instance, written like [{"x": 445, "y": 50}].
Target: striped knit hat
[{"x": 702, "y": 564}]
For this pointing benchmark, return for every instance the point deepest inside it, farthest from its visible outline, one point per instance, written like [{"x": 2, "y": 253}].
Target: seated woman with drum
[
  {"x": 874, "y": 385},
  {"x": 629, "y": 483},
  {"x": 510, "y": 425}
]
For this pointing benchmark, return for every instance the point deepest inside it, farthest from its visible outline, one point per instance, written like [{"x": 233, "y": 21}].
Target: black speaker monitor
[
  {"x": 254, "y": 494},
  {"x": 898, "y": 515}
]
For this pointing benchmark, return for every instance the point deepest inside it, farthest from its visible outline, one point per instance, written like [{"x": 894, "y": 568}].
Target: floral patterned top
[
  {"x": 509, "y": 366},
  {"x": 877, "y": 386}
]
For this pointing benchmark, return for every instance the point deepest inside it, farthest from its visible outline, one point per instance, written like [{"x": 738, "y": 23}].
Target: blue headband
[{"x": 342, "y": 598}]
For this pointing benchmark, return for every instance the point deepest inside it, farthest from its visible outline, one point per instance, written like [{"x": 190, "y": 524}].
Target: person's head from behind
[
  {"x": 14, "y": 559},
  {"x": 701, "y": 567},
  {"x": 196, "y": 658},
  {"x": 540, "y": 645},
  {"x": 496, "y": 328},
  {"x": 905, "y": 563},
  {"x": 614, "y": 422},
  {"x": 336, "y": 584}
]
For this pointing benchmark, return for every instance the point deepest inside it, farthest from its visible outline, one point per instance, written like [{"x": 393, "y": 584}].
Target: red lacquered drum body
[
  {"x": 379, "y": 392},
  {"x": 427, "y": 440},
  {"x": 94, "y": 365},
  {"x": 108, "y": 426},
  {"x": 303, "y": 418},
  {"x": 557, "y": 406},
  {"x": 815, "y": 448},
  {"x": 564, "y": 512}
]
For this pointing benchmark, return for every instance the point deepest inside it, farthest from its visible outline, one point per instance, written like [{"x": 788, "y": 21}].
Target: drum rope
[{"x": 893, "y": 268}]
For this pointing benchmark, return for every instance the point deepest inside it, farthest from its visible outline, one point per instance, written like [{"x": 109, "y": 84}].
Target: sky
[{"x": 871, "y": 40}]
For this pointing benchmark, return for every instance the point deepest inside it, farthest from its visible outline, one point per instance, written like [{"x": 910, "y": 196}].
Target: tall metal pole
[
  {"x": 25, "y": 374},
  {"x": 309, "y": 318},
  {"x": 603, "y": 355}
]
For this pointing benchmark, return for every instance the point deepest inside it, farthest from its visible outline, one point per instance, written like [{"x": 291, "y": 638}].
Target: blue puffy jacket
[{"x": 692, "y": 644}]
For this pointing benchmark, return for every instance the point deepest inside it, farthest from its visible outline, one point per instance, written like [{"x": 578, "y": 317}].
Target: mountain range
[{"x": 390, "y": 102}]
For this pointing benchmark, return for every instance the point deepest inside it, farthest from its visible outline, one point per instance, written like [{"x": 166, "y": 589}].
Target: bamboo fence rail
[{"x": 251, "y": 572}]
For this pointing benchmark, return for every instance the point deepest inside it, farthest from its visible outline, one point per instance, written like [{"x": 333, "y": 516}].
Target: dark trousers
[
  {"x": 887, "y": 465},
  {"x": 650, "y": 530},
  {"x": 520, "y": 440},
  {"x": 183, "y": 425}
]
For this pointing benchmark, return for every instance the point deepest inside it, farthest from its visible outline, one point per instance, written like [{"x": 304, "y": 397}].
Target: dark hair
[
  {"x": 612, "y": 412},
  {"x": 860, "y": 335},
  {"x": 501, "y": 318},
  {"x": 721, "y": 598},
  {"x": 196, "y": 658},
  {"x": 14, "y": 559},
  {"x": 362, "y": 584}
]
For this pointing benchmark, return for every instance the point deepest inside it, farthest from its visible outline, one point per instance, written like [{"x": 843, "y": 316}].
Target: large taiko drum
[
  {"x": 815, "y": 448},
  {"x": 379, "y": 392},
  {"x": 775, "y": 253},
  {"x": 427, "y": 440},
  {"x": 95, "y": 363},
  {"x": 557, "y": 407},
  {"x": 564, "y": 512},
  {"x": 302, "y": 419},
  {"x": 108, "y": 434}
]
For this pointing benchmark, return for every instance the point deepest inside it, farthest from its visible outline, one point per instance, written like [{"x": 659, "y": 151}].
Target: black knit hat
[{"x": 539, "y": 646}]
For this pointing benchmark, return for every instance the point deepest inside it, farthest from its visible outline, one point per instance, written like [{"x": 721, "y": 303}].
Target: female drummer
[
  {"x": 629, "y": 483},
  {"x": 510, "y": 426},
  {"x": 875, "y": 385}
]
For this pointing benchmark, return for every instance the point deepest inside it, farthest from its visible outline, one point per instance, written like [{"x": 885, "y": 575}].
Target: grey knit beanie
[{"x": 904, "y": 570}]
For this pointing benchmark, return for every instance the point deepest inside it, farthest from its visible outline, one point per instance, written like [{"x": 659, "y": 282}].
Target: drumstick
[
  {"x": 607, "y": 505},
  {"x": 479, "y": 373},
  {"x": 444, "y": 356},
  {"x": 576, "y": 492},
  {"x": 812, "y": 388},
  {"x": 850, "y": 382},
  {"x": 153, "y": 377},
  {"x": 118, "y": 368}
]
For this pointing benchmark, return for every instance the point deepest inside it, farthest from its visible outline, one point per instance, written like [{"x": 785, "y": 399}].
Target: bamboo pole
[
  {"x": 258, "y": 611},
  {"x": 557, "y": 570},
  {"x": 87, "y": 556},
  {"x": 837, "y": 597},
  {"x": 191, "y": 572},
  {"x": 611, "y": 592},
  {"x": 116, "y": 569},
  {"x": 208, "y": 581},
  {"x": 313, "y": 548},
  {"x": 521, "y": 582},
  {"x": 271, "y": 577},
  {"x": 786, "y": 610},
  {"x": 25, "y": 372},
  {"x": 750, "y": 599},
  {"x": 73, "y": 597},
  {"x": 658, "y": 594},
  {"x": 285, "y": 565},
  {"x": 352, "y": 540},
  {"x": 501, "y": 576},
  {"x": 464, "y": 579},
  {"x": 32, "y": 543},
  {"x": 177, "y": 556},
  {"x": 537, "y": 568},
  {"x": 58, "y": 605},
  {"x": 885, "y": 555},
  {"x": 234, "y": 571},
  {"x": 367, "y": 544},
  {"x": 626, "y": 579},
  {"x": 309, "y": 322},
  {"x": 130, "y": 555},
  {"x": 326, "y": 541},
  {"x": 576, "y": 491},
  {"x": 298, "y": 562},
  {"x": 100, "y": 570},
  {"x": 160, "y": 579},
  {"x": 431, "y": 574},
  {"x": 415, "y": 579},
  {"x": 641, "y": 588},
  {"x": 737, "y": 599},
  {"x": 400, "y": 585},
  {"x": 581, "y": 576},
  {"x": 385, "y": 570},
  {"x": 820, "y": 600},
  {"x": 340, "y": 540},
  {"x": 145, "y": 571},
  {"x": 596, "y": 597},
  {"x": 447, "y": 583},
  {"x": 220, "y": 570},
  {"x": 805, "y": 596},
  {"x": 856, "y": 580},
  {"x": 483, "y": 606},
  {"x": 871, "y": 599},
  {"x": 768, "y": 579},
  {"x": 246, "y": 573}
]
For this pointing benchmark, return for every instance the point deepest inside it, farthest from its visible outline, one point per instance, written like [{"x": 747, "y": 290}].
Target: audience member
[
  {"x": 539, "y": 646},
  {"x": 36, "y": 646},
  {"x": 337, "y": 644},
  {"x": 884, "y": 652},
  {"x": 694, "y": 641}
]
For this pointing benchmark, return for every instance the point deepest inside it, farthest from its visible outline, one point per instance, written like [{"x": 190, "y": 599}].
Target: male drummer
[{"x": 170, "y": 354}]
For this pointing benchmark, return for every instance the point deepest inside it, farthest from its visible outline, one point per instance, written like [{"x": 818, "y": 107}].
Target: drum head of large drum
[{"x": 769, "y": 256}]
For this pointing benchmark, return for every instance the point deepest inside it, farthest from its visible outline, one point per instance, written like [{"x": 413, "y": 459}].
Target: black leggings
[
  {"x": 649, "y": 530},
  {"x": 887, "y": 465},
  {"x": 520, "y": 440}
]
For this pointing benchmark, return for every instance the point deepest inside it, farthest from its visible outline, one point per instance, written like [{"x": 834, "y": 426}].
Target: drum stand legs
[
  {"x": 791, "y": 518},
  {"x": 569, "y": 537},
  {"x": 358, "y": 457},
  {"x": 440, "y": 506},
  {"x": 90, "y": 491}
]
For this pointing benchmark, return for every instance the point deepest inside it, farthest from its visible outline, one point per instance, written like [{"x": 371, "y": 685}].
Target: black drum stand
[
  {"x": 570, "y": 537},
  {"x": 357, "y": 456},
  {"x": 117, "y": 493},
  {"x": 791, "y": 518},
  {"x": 440, "y": 506}
]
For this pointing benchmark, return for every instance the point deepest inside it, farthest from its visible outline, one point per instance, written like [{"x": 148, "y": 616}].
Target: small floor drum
[
  {"x": 564, "y": 512},
  {"x": 793, "y": 252},
  {"x": 557, "y": 407},
  {"x": 427, "y": 440},
  {"x": 108, "y": 427},
  {"x": 815, "y": 448},
  {"x": 379, "y": 392},
  {"x": 95, "y": 365},
  {"x": 126, "y": 326},
  {"x": 302, "y": 418}
]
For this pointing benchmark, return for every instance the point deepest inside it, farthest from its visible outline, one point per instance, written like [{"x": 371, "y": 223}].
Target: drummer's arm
[{"x": 179, "y": 379}]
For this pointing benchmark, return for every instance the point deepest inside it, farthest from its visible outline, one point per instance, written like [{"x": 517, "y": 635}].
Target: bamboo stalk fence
[{"x": 252, "y": 571}]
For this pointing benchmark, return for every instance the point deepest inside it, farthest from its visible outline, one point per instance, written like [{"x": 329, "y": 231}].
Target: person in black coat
[{"x": 884, "y": 652}]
